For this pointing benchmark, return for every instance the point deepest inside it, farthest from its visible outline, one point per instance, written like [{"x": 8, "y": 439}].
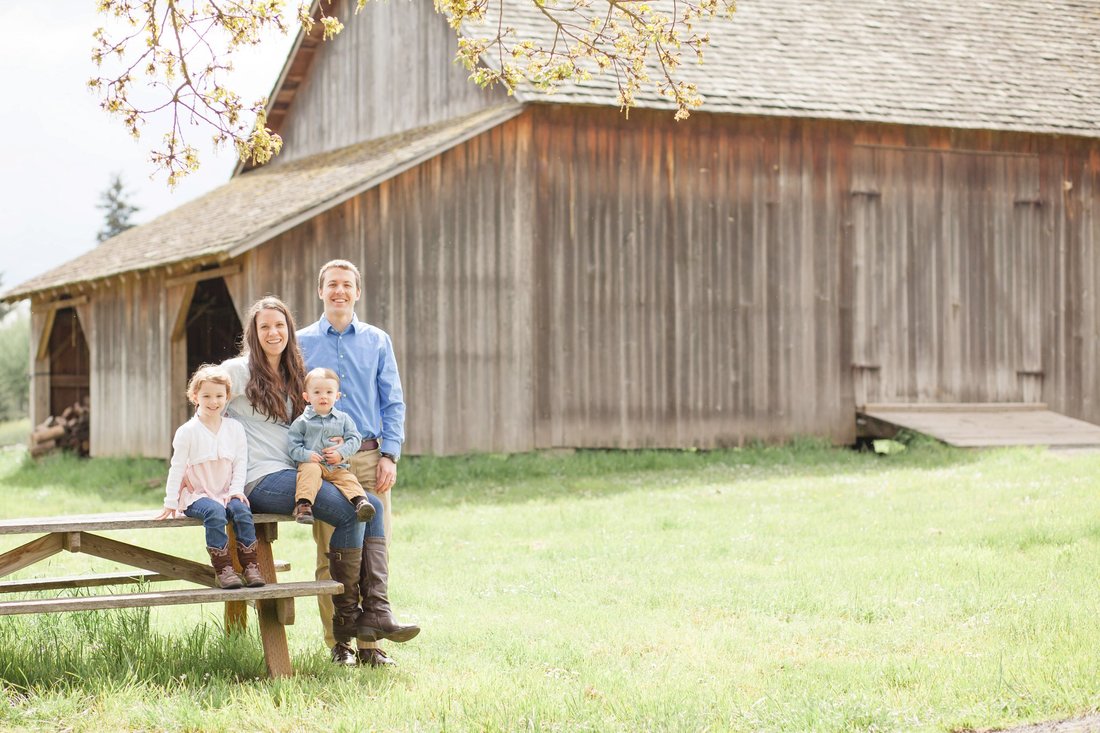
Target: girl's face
[
  {"x": 210, "y": 397},
  {"x": 271, "y": 329}
]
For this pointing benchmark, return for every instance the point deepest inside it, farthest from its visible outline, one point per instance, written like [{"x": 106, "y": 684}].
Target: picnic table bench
[{"x": 274, "y": 602}]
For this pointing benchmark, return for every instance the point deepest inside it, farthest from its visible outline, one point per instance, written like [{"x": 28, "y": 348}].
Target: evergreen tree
[{"x": 116, "y": 210}]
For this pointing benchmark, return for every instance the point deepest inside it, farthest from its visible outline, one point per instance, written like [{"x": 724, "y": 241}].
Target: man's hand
[{"x": 385, "y": 475}]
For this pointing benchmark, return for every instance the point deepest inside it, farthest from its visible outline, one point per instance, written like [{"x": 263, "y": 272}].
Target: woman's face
[{"x": 271, "y": 329}]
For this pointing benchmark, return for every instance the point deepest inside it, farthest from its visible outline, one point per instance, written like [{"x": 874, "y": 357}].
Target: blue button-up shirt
[
  {"x": 311, "y": 433},
  {"x": 370, "y": 387}
]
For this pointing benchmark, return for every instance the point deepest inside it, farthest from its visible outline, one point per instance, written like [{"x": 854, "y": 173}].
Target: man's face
[{"x": 338, "y": 291}]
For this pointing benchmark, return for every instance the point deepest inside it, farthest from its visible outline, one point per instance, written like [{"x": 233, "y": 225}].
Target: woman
[{"x": 268, "y": 394}]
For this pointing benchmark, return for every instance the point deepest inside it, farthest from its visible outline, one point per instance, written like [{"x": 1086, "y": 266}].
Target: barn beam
[{"x": 201, "y": 275}]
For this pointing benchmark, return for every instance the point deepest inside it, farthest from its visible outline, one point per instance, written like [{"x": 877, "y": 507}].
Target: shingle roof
[
  {"x": 983, "y": 64},
  {"x": 255, "y": 207}
]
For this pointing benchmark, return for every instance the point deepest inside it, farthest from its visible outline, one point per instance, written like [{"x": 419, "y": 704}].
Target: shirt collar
[
  {"x": 309, "y": 413},
  {"x": 354, "y": 327}
]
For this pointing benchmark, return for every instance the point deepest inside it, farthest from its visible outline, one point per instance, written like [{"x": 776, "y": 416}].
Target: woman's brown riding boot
[
  {"x": 224, "y": 575},
  {"x": 343, "y": 566},
  {"x": 377, "y": 621},
  {"x": 253, "y": 578}
]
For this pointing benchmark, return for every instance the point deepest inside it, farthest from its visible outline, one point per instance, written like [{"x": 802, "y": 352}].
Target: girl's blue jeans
[
  {"x": 214, "y": 516},
  {"x": 275, "y": 494}
]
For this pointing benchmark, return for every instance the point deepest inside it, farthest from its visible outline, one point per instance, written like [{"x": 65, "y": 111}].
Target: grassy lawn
[
  {"x": 778, "y": 589},
  {"x": 15, "y": 432}
]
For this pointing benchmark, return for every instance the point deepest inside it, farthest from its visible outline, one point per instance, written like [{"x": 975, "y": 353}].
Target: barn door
[{"x": 946, "y": 276}]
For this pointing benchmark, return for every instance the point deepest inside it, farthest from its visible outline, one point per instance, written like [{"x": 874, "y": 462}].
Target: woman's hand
[{"x": 166, "y": 514}]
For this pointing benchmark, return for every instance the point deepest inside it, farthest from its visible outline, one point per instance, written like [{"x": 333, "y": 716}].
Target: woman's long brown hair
[{"x": 267, "y": 388}]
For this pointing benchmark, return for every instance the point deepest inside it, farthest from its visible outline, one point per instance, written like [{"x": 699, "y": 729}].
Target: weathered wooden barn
[{"x": 881, "y": 201}]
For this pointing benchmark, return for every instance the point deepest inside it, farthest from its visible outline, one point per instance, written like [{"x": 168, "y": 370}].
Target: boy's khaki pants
[
  {"x": 310, "y": 476},
  {"x": 363, "y": 467}
]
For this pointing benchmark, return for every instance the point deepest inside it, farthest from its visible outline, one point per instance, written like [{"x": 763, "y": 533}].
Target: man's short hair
[
  {"x": 321, "y": 373},
  {"x": 343, "y": 265}
]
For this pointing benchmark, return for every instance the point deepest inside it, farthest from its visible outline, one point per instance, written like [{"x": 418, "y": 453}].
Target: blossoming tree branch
[{"x": 175, "y": 55}]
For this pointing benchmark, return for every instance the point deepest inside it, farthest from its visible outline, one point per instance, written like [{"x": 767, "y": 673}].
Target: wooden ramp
[{"x": 980, "y": 425}]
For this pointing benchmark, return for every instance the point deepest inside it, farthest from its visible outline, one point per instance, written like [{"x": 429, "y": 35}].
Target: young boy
[{"x": 311, "y": 434}]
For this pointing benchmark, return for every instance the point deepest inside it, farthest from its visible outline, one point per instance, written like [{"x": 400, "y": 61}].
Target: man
[{"x": 371, "y": 394}]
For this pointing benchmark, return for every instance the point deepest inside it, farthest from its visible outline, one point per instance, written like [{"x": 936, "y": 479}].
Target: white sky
[{"x": 58, "y": 149}]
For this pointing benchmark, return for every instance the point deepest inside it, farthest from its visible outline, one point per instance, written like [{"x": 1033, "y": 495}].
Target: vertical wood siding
[
  {"x": 445, "y": 254},
  {"x": 131, "y": 394},
  {"x": 689, "y": 280},
  {"x": 573, "y": 278},
  {"x": 947, "y": 251},
  {"x": 402, "y": 52}
]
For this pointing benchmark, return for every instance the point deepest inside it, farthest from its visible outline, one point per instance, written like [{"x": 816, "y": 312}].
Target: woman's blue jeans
[
  {"x": 275, "y": 494},
  {"x": 214, "y": 517}
]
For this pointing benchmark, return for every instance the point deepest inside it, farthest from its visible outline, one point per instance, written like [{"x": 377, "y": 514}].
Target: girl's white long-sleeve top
[{"x": 206, "y": 463}]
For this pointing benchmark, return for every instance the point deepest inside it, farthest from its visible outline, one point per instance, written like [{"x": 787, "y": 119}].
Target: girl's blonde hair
[{"x": 208, "y": 373}]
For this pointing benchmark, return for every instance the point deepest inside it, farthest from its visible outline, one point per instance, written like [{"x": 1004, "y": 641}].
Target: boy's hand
[
  {"x": 166, "y": 514},
  {"x": 316, "y": 458},
  {"x": 332, "y": 453}
]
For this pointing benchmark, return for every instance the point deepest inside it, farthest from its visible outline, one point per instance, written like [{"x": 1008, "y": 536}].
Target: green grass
[
  {"x": 770, "y": 588},
  {"x": 15, "y": 432}
]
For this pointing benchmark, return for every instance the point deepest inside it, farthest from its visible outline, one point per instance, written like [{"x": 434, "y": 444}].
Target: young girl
[{"x": 206, "y": 478}]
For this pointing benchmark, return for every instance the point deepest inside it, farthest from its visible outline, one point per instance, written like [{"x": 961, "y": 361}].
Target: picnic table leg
[
  {"x": 272, "y": 630},
  {"x": 236, "y": 612}
]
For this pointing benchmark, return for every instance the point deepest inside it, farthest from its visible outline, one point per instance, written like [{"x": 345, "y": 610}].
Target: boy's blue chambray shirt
[
  {"x": 310, "y": 434},
  {"x": 370, "y": 387}
]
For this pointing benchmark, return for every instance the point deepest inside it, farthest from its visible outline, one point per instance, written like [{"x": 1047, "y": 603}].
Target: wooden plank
[
  {"x": 140, "y": 557},
  {"x": 197, "y": 277},
  {"x": 143, "y": 519},
  {"x": 44, "y": 335},
  {"x": 94, "y": 581},
  {"x": 989, "y": 425},
  {"x": 957, "y": 407},
  {"x": 171, "y": 598},
  {"x": 273, "y": 616},
  {"x": 59, "y": 304},
  {"x": 30, "y": 553}
]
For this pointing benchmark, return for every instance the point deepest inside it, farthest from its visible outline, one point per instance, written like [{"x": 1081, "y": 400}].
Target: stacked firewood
[{"x": 67, "y": 431}]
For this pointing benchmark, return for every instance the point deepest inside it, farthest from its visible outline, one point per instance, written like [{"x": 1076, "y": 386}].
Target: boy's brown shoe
[
  {"x": 364, "y": 510},
  {"x": 303, "y": 512}
]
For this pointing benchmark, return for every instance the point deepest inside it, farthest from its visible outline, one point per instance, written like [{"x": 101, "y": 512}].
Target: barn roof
[
  {"x": 253, "y": 208},
  {"x": 976, "y": 64}
]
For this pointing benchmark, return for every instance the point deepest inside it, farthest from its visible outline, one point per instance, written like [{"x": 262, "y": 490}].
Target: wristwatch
[{"x": 391, "y": 456}]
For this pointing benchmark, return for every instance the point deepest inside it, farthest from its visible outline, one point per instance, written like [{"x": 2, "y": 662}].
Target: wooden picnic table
[{"x": 274, "y": 602}]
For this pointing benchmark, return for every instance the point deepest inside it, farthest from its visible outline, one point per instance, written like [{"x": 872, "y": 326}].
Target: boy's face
[{"x": 322, "y": 394}]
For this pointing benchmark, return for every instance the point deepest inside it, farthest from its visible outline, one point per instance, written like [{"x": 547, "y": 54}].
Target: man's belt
[{"x": 371, "y": 444}]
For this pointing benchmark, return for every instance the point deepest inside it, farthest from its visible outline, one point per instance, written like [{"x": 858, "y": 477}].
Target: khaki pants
[
  {"x": 363, "y": 467},
  {"x": 310, "y": 476}
]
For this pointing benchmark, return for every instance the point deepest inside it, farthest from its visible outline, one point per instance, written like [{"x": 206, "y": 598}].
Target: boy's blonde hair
[
  {"x": 322, "y": 373},
  {"x": 342, "y": 265},
  {"x": 208, "y": 373}
]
